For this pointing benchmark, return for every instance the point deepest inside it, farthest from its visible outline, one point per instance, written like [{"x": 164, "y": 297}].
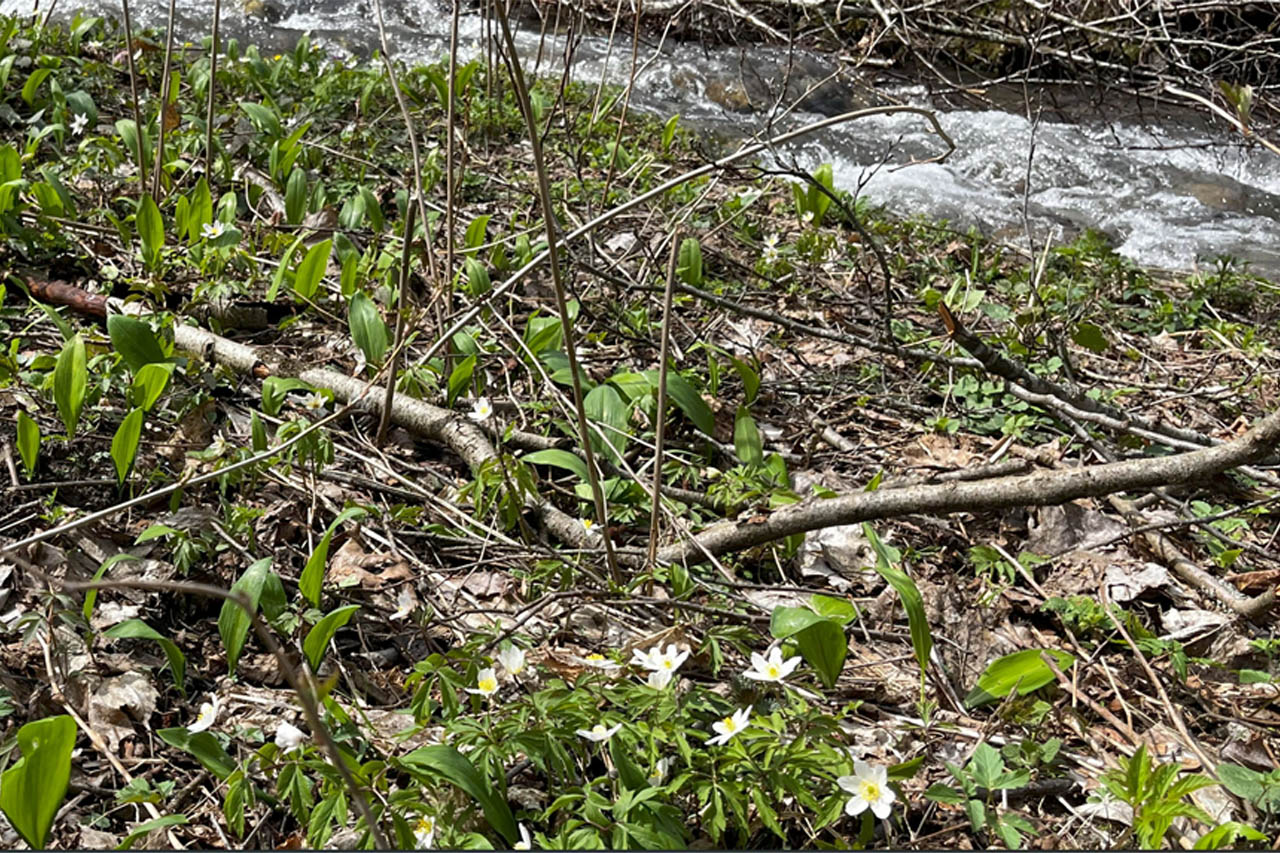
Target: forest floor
[{"x": 874, "y": 616}]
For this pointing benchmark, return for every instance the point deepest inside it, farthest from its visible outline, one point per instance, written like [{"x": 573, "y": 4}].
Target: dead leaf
[
  {"x": 353, "y": 566},
  {"x": 120, "y": 701}
]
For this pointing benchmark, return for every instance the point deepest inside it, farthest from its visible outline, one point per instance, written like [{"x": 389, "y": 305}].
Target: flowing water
[{"x": 1169, "y": 191}]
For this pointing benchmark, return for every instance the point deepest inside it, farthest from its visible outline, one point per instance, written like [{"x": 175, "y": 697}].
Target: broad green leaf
[
  {"x": 70, "y": 377},
  {"x": 460, "y": 378},
  {"x": 274, "y": 389},
  {"x": 690, "y": 263},
  {"x": 788, "y": 621},
  {"x": 1025, "y": 670},
  {"x": 124, "y": 444},
  {"x": 311, "y": 581},
  {"x": 144, "y": 829},
  {"x": 630, "y": 775},
  {"x": 203, "y": 746},
  {"x": 604, "y": 405},
  {"x": 452, "y": 765},
  {"x": 137, "y": 629},
  {"x": 150, "y": 228},
  {"x": 306, "y": 280},
  {"x": 1225, "y": 836},
  {"x": 750, "y": 379},
  {"x": 135, "y": 341},
  {"x": 128, "y": 133},
  {"x": 200, "y": 212},
  {"x": 746, "y": 439},
  {"x": 679, "y": 390},
  {"x": 33, "y": 83},
  {"x": 258, "y": 432},
  {"x": 367, "y": 328},
  {"x": 31, "y": 790},
  {"x": 1090, "y": 337},
  {"x": 282, "y": 271},
  {"x": 319, "y": 636},
  {"x": 475, "y": 233},
  {"x": 669, "y": 131},
  {"x": 912, "y": 601},
  {"x": 28, "y": 442},
  {"x": 263, "y": 117},
  {"x": 1241, "y": 781},
  {"x": 295, "y": 197},
  {"x": 839, "y": 609},
  {"x": 478, "y": 283},
  {"x": 233, "y": 621},
  {"x": 986, "y": 766},
  {"x": 559, "y": 459},
  {"x": 149, "y": 383},
  {"x": 824, "y": 646}
]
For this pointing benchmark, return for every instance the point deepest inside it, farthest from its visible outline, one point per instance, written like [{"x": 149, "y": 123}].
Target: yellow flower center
[
  {"x": 668, "y": 663},
  {"x": 774, "y": 671},
  {"x": 598, "y": 729},
  {"x": 488, "y": 685},
  {"x": 595, "y": 656},
  {"x": 730, "y": 724},
  {"x": 869, "y": 790},
  {"x": 425, "y": 825}
]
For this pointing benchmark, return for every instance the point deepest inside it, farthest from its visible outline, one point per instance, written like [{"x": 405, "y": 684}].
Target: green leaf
[
  {"x": 944, "y": 794},
  {"x": 788, "y": 621},
  {"x": 906, "y": 770},
  {"x": 306, "y": 280},
  {"x": 824, "y": 646},
  {"x": 258, "y": 432},
  {"x": 452, "y": 765},
  {"x": 32, "y": 85},
  {"x": 839, "y": 609},
  {"x": 1226, "y": 835},
  {"x": 478, "y": 283},
  {"x": 679, "y": 389},
  {"x": 128, "y": 133},
  {"x": 233, "y": 621},
  {"x": 1241, "y": 781},
  {"x": 135, "y": 341},
  {"x": 912, "y": 601},
  {"x": 475, "y": 233},
  {"x": 459, "y": 378},
  {"x": 149, "y": 383},
  {"x": 690, "y": 263},
  {"x": 295, "y": 197},
  {"x": 986, "y": 766},
  {"x": 264, "y": 118},
  {"x": 150, "y": 228},
  {"x": 604, "y": 405},
  {"x": 311, "y": 581},
  {"x": 203, "y": 746},
  {"x": 144, "y": 829},
  {"x": 31, "y": 791},
  {"x": 746, "y": 439},
  {"x": 137, "y": 629},
  {"x": 1090, "y": 337},
  {"x": 91, "y": 596},
  {"x": 319, "y": 636},
  {"x": 367, "y": 328},
  {"x": 629, "y": 774},
  {"x": 274, "y": 389},
  {"x": 559, "y": 459},
  {"x": 28, "y": 442},
  {"x": 669, "y": 131},
  {"x": 70, "y": 377},
  {"x": 124, "y": 444},
  {"x": 1025, "y": 670},
  {"x": 282, "y": 271}
]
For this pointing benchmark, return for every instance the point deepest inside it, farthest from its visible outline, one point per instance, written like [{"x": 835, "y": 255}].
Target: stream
[{"x": 1170, "y": 191}]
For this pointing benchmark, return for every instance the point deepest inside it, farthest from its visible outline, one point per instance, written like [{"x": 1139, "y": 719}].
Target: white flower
[
  {"x": 289, "y": 737},
  {"x": 512, "y": 659},
  {"x": 92, "y": 46},
  {"x": 212, "y": 230},
  {"x": 595, "y": 660},
  {"x": 78, "y": 122},
  {"x": 525, "y": 842},
  {"x": 404, "y": 603},
  {"x": 771, "y": 253},
  {"x": 218, "y": 446},
  {"x": 806, "y": 217},
  {"x": 772, "y": 668},
  {"x": 486, "y": 683},
  {"x": 870, "y": 788},
  {"x": 598, "y": 733},
  {"x": 659, "y": 774},
  {"x": 659, "y": 679},
  {"x": 314, "y": 402},
  {"x": 730, "y": 726},
  {"x": 208, "y": 714},
  {"x": 424, "y": 832},
  {"x": 481, "y": 410},
  {"x": 659, "y": 661}
]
